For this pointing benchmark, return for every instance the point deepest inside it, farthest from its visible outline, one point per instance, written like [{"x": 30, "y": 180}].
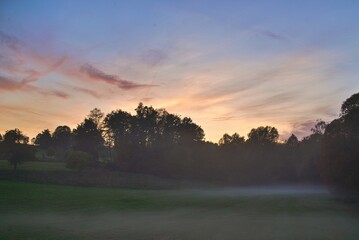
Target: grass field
[
  {"x": 44, "y": 211},
  {"x": 46, "y": 166}
]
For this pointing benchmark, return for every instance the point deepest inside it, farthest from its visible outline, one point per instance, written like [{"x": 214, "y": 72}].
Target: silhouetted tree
[
  {"x": 292, "y": 141},
  {"x": 190, "y": 132},
  {"x": 88, "y": 138},
  {"x": 319, "y": 127},
  {"x": 120, "y": 135},
  {"x": 340, "y": 155},
  {"x": 44, "y": 139},
  {"x": 96, "y": 115},
  {"x": 235, "y": 139},
  {"x": 18, "y": 153},
  {"x": 15, "y": 136},
  {"x": 62, "y": 139},
  {"x": 351, "y": 105},
  {"x": 118, "y": 126},
  {"x": 15, "y": 148},
  {"x": 263, "y": 135},
  {"x": 147, "y": 128}
]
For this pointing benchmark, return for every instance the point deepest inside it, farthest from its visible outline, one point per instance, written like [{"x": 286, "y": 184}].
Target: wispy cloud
[
  {"x": 96, "y": 74},
  {"x": 35, "y": 75},
  {"x": 8, "y": 85},
  {"x": 25, "y": 66}
]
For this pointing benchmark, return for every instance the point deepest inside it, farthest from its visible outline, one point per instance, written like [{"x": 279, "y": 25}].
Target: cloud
[
  {"x": 8, "y": 85},
  {"x": 272, "y": 35},
  {"x": 87, "y": 91},
  {"x": 35, "y": 75},
  {"x": 24, "y": 65},
  {"x": 96, "y": 74}
]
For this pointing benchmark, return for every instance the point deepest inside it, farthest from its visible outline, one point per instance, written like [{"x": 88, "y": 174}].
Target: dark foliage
[{"x": 340, "y": 153}]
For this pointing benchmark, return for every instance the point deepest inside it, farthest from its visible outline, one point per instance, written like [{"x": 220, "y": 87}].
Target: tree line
[{"x": 154, "y": 141}]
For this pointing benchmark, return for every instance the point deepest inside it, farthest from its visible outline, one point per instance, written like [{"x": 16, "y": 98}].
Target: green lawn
[
  {"x": 43, "y": 211},
  {"x": 46, "y": 166}
]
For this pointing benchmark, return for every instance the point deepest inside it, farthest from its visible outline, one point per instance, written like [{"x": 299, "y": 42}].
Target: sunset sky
[{"x": 229, "y": 65}]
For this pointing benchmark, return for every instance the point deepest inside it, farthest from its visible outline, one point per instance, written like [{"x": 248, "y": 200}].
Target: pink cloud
[
  {"x": 35, "y": 75},
  {"x": 26, "y": 66},
  {"x": 96, "y": 74}
]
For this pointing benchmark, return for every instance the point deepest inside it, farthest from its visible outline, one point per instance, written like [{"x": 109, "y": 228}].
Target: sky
[{"x": 229, "y": 65}]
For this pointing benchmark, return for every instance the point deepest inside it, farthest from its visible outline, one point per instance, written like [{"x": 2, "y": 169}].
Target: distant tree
[
  {"x": 235, "y": 139},
  {"x": 263, "y": 135},
  {"x": 1, "y": 138},
  {"x": 15, "y": 148},
  {"x": 15, "y": 136},
  {"x": 62, "y": 141},
  {"x": 292, "y": 141},
  {"x": 225, "y": 140},
  {"x": 44, "y": 139},
  {"x": 88, "y": 138},
  {"x": 62, "y": 137}
]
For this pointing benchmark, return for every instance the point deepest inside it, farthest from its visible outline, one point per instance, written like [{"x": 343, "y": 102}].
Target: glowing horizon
[{"x": 230, "y": 66}]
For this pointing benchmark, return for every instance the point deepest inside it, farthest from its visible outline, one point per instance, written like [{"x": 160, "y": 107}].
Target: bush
[{"x": 78, "y": 160}]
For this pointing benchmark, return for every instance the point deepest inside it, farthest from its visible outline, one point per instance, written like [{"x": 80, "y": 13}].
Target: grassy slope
[{"x": 42, "y": 211}]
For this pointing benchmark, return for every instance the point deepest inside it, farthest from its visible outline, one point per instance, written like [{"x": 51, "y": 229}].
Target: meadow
[{"x": 47, "y": 211}]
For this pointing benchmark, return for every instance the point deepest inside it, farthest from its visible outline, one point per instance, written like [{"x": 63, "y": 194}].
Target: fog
[{"x": 262, "y": 190}]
